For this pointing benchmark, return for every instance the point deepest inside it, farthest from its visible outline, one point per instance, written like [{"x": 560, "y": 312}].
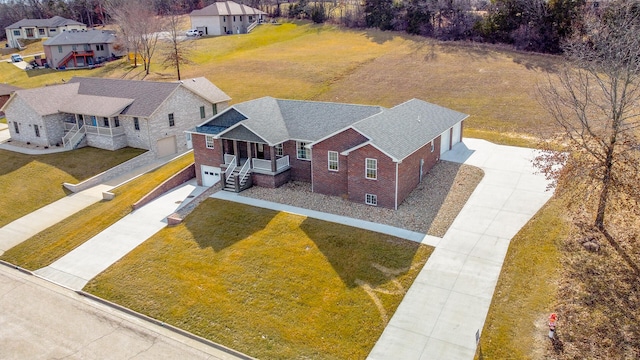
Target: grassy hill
[{"x": 321, "y": 62}]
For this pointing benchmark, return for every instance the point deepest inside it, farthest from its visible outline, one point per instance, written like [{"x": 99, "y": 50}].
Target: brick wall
[
  {"x": 409, "y": 168},
  {"x": 179, "y": 178},
  {"x": 300, "y": 169},
  {"x": 330, "y": 182},
  {"x": 271, "y": 181},
  {"x": 204, "y": 156},
  {"x": 383, "y": 187}
]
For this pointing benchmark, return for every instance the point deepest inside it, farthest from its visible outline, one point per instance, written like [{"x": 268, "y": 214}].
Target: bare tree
[
  {"x": 178, "y": 52},
  {"x": 139, "y": 26},
  {"x": 595, "y": 99}
]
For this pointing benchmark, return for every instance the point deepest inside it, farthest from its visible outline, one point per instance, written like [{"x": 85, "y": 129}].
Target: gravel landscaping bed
[{"x": 430, "y": 208}]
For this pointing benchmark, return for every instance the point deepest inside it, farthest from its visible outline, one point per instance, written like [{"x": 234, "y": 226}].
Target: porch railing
[
  {"x": 261, "y": 164},
  {"x": 73, "y": 137},
  {"x": 228, "y": 159},
  {"x": 70, "y": 126},
  {"x": 252, "y": 26},
  {"x": 105, "y": 131},
  {"x": 243, "y": 172},
  {"x": 282, "y": 162},
  {"x": 231, "y": 167}
]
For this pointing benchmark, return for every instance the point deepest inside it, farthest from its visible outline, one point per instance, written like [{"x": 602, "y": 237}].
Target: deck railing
[
  {"x": 282, "y": 162},
  {"x": 231, "y": 166},
  {"x": 228, "y": 159},
  {"x": 105, "y": 131},
  {"x": 261, "y": 164},
  {"x": 244, "y": 171}
]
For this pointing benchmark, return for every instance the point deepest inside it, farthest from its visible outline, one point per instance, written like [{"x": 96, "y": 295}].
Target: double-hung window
[
  {"x": 202, "y": 113},
  {"x": 136, "y": 123},
  {"x": 303, "y": 152},
  {"x": 371, "y": 168},
  {"x": 214, "y": 108},
  {"x": 279, "y": 150},
  {"x": 332, "y": 159},
  {"x": 209, "y": 140},
  {"x": 172, "y": 121}
]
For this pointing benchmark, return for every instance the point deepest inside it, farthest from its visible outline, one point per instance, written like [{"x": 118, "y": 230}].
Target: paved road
[{"x": 40, "y": 320}]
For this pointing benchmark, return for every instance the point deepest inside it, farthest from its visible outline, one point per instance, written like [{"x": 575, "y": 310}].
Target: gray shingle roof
[
  {"x": 405, "y": 128},
  {"x": 226, "y": 8},
  {"x": 277, "y": 120},
  {"x": 148, "y": 95},
  {"x": 398, "y": 131},
  {"x": 94, "y": 105},
  {"x": 82, "y": 37},
  {"x": 206, "y": 89},
  {"x": 55, "y": 21},
  {"x": 46, "y": 100}
]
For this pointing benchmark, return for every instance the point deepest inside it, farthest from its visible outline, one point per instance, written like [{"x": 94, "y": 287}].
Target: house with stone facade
[
  {"x": 225, "y": 17},
  {"x": 39, "y": 28},
  {"x": 112, "y": 113},
  {"x": 367, "y": 154},
  {"x": 83, "y": 48}
]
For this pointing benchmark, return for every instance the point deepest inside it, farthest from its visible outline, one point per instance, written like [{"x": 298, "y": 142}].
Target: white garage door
[
  {"x": 445, "y": 138},
  {"x": 456, "y": 134},
  {"x": 167, "y": 146},
  {"x": 210, "y": 175}
]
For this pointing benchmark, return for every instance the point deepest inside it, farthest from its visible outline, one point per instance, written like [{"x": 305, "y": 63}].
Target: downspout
[{"x": 396, "y": 198}]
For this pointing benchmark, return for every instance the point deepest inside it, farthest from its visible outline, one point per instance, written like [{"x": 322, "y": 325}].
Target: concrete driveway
[{"x": 449, "y": 300}]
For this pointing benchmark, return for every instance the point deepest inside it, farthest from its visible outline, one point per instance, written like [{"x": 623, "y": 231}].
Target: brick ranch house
[
  {"x": 112, "y": 114},
  {"x": 366, "y": 154}
]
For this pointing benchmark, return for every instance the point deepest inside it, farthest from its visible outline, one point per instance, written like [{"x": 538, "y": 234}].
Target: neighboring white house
[
  {"x": 77, "y": 49},
  {"x": 40, "y": 28},
  {"x": 225, "y": 17},
  {"x": 112, "y": 114}
]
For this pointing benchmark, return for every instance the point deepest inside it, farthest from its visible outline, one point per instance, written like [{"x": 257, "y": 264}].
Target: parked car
[
  {"x": 194, "y": 32},
  {"x": 16, "y": 58}
]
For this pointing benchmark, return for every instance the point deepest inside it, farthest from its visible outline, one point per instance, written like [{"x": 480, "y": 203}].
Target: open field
[
  {"x": 51, "y": 244},
  {"x": 272, "y": 285},
  {"x": 304, "y": 61},
  {"x": 29, "y": 182}
]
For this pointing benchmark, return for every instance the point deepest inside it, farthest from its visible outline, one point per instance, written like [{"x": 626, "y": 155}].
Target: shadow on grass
[
  {"x": 80, "y": 163},
  {"x": 359, "y": 255},
  {"x": 225, "y": 225}
]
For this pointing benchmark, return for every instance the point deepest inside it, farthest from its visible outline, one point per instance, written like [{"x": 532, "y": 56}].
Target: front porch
[
  {"x": 247, "y": 163},
  {"x": 101, "y": 132}
]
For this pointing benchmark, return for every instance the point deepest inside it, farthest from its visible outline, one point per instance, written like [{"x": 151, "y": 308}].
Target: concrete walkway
[
  {"x": 449, "y": 300},
  {"x": 82, "y": 264},
  {"x": 27, "y": 226}
]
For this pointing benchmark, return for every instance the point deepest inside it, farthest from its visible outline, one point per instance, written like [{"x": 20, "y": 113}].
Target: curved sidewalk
[{"x": 449, "y": 300}]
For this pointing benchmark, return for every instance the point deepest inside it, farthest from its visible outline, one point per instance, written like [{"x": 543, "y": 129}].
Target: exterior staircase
[{"x": 239, "y": 179}]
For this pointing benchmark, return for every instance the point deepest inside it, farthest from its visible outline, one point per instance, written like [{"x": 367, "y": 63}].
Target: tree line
[{"x": 532, "y": 25}]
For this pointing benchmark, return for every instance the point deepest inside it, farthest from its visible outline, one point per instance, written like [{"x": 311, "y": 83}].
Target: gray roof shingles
[
  {"x": 81, "y": 37},
  {"x": 6, "y": 89},
  {"x": 398, "y": 131},
  {"x": 405, "y": 128},
  {"x": 226, "y": 8},
  {"x": 55, "y": 21}
]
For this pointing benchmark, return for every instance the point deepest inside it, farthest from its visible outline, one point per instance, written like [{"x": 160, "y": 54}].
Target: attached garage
[
  {"x": 445, "y": 141},
  {"x": 457, "y": 132},
  {"x": 166, "y": 146},
  {"x": 210, "y": 175}
]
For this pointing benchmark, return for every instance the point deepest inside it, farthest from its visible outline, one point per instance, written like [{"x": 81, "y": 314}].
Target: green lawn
[
  {"x": 29, "y": 182},
  {"x": 272, "y": 285},
  {"x": 496, "y": 87},
  {"x": 527, "y": 289},
  {"x": 56, "y": 241}
]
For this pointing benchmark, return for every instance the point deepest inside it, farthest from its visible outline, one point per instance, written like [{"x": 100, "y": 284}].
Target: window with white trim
[
  {"x": 433, "y": 147},
  {"x": 371, "y": 199},
  {"x": 279, "y": 150},
  {"x": 209, "y": 140},
  {"x": 304, "y": 153},
  {"x": 371, "y": 169},
  {"x": 332, "y": 159}
]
